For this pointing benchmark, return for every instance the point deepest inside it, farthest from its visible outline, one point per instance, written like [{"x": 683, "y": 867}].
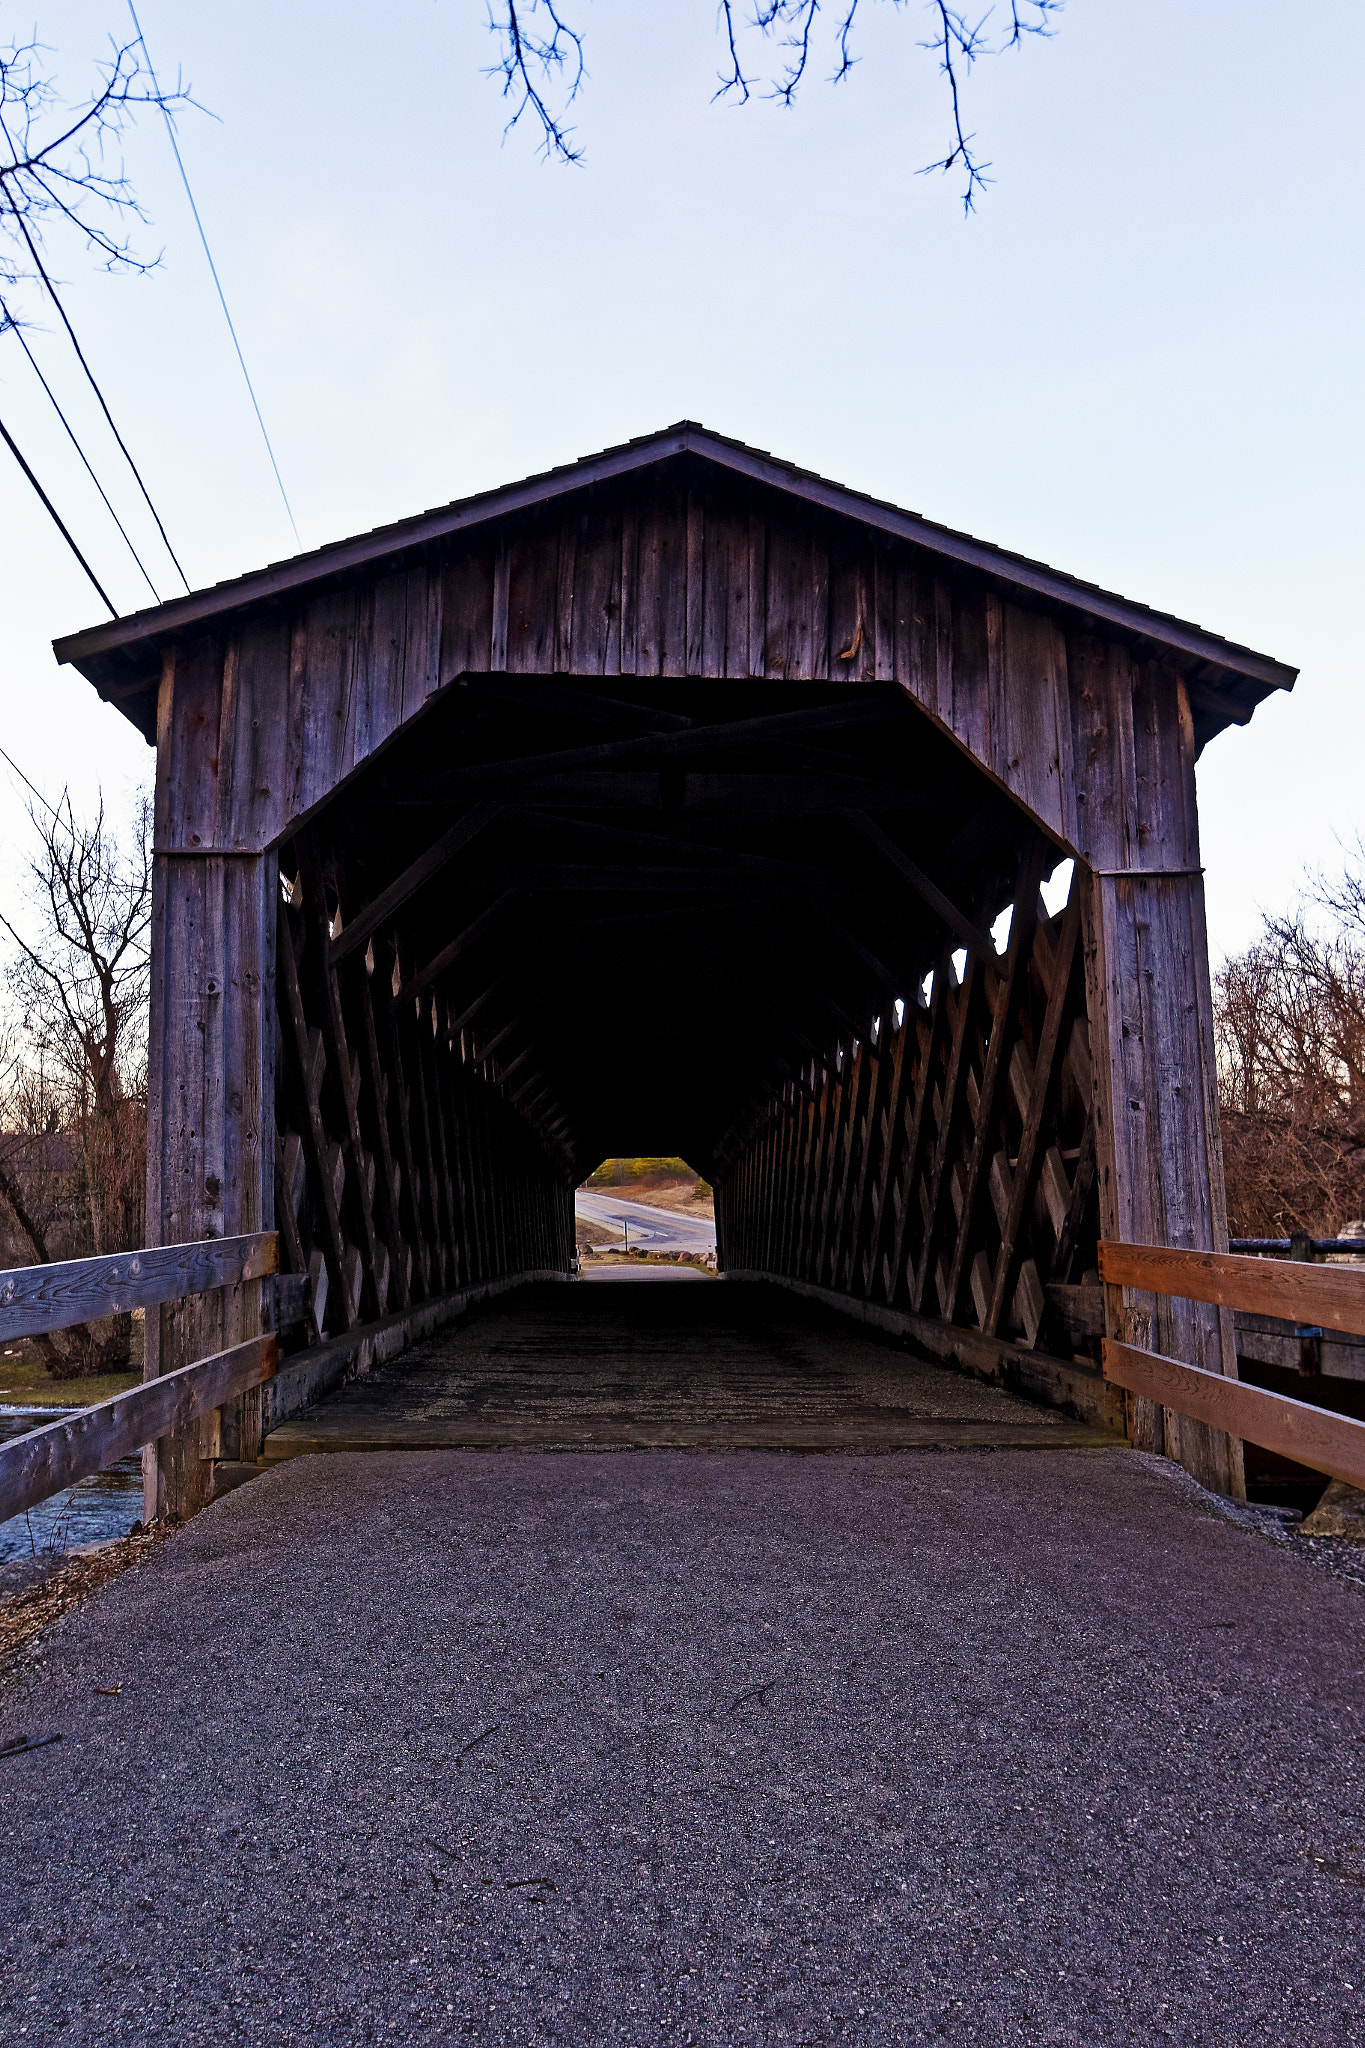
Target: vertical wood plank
[
  {"x": 755, "y": 659},
  {"x": 629, "y": 583},
  {"x": 596, "y": 642},
  {"x": 532, "y": 590},
  {"x": 696, "y": 582},
  {"x": 467, "y": 579}
]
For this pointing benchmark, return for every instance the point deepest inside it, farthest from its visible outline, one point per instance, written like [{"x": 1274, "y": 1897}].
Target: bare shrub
[
  {"x": 1290, "y": 1022},
  {"x": 73, "y": 1062}
]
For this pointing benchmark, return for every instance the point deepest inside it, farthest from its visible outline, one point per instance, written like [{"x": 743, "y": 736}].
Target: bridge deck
[{"x": 667, "y": 1365}]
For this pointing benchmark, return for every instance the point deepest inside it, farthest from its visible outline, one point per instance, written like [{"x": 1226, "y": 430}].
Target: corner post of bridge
[
  {"x": 1150, "y": 1007},
  {"x": 211, "y": 1061}
]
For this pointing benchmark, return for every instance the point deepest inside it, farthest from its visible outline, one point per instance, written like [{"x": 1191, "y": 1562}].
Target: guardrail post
[{"x": 1304, "y": 1250}]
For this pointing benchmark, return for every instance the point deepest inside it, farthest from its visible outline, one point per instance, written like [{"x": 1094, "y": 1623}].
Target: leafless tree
[
  {"x": 1290, "y": 1021},
  {"x": 541, "y": 62},
  {"x": 60, "y": 166},
  {"x": 73, "y": 1071}
]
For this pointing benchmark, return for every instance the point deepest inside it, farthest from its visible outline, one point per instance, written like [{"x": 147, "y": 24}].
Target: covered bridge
[{"x": 670, "y": 802}]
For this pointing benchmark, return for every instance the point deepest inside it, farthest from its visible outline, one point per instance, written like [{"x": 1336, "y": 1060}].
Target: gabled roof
[{"x": 115, "y": 655}]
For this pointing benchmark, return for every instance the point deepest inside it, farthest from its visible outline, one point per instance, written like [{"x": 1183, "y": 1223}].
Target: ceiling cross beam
[
  {"x": 649, "y": 749},
  {"x": 486, "y": 922},
  {"x": 382, "y": 907},
  {"x": 972, "y": 937}
]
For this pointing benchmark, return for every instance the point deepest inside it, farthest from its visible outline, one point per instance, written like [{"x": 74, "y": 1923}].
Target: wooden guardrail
[
  {"x": 1327, "y": 1297},
  {"x": 37, "y": 1298}
]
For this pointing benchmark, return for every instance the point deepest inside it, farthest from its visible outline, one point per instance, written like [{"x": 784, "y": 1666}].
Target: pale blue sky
[{"x": 1140, "y": 361}]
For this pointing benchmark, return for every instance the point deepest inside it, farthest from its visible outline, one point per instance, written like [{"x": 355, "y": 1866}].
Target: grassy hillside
[{"x": 637, "y": 1176}]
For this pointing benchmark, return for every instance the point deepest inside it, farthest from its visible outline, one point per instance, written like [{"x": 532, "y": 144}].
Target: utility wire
[
  {"x": 61, "y": 524},
  {"x": 52, "y": 294},
  {"x": 32, "y": 785},
  {"x": 222, "y": 300},
  {"x": 15, "y": 328}
]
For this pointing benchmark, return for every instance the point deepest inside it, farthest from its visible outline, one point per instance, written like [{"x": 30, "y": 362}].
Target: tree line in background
[
  {"x": 1290, "y": 1019},
  {"x": 73, "y": 1061}
]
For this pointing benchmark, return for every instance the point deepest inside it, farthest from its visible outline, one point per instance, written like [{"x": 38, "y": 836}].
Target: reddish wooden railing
[{"x": 1328, "y": 1297}]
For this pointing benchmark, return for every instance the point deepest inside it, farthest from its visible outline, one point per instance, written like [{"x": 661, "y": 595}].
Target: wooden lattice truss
[
  {"x": 401, "y": 1172},
  {"x": 945, "y": 1163}
]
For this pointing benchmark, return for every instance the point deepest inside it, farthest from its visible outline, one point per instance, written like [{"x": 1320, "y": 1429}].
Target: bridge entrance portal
[{"x": 680, "y": 802}]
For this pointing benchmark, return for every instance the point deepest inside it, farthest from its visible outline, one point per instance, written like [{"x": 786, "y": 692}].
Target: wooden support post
[
  {"x": 1158, "y": 1155},
  {"x": 211, "y": 1130},
  {"x": 345, "y": 1074},
  {"x": 1004, "y": 1026},
  {"x": 381, "y": 1087},
  {"x": 883, "y": 1110},
  {"x": 414, "y": 1190},
  {"x": 840, "y": 1128},
  {"x": 954, "y": 1099},
  {"x": 411, "y": 1030},
  {"x": 857, "y": 1144},
  {"x": 300, "y": 1040},
  {"x": 1045, "y": 1070}
]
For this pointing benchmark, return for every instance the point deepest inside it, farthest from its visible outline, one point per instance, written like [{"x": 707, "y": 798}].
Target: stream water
[{"x": 96, "y": 1511}]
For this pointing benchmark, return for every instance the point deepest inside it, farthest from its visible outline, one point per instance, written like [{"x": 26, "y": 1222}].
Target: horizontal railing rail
[
  {"x": 59, "y": 1454},
  {"x": 34, "y": 1299},
  {"x": 1327, "y": 1297}
]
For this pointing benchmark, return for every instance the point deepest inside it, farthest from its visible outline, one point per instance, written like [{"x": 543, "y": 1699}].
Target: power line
[
  {"x": 222, "y": 300},
  {"x": 61, "y": 524},
  {"x": 52, "y": 294},
  {"x": 18, "y": 330},
  {"x": 32, "y": 785}
]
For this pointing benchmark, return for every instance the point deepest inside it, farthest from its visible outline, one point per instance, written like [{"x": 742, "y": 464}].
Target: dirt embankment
[
  {"x": 689, "y": 1196},
  {"x": 586, "y": 1231},
  {"x": 680, "y": 1196}
]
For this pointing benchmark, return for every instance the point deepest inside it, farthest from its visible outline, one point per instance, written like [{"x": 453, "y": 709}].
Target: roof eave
[{"x": 149, "y": 630}]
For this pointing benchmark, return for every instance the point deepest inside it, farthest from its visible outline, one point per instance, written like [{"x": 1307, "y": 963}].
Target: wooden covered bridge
[{"x": 679, "y": 801}]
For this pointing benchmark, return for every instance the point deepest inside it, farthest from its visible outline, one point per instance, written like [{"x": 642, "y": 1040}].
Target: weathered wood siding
[{"x": 657, "y": 580}]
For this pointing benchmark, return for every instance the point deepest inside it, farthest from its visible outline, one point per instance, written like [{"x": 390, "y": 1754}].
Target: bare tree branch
[
  {"x": 791, "y": 26},
  {"x": 554, "y": 55},
  {"x": 958, "y": 44},
  {"x": 55, "y": 166}
]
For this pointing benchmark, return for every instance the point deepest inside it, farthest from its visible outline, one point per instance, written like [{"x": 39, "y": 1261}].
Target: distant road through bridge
[{"x": 652, "y": 1229}]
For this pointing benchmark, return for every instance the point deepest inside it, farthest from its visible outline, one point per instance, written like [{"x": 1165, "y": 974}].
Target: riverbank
[{"x": 25, "y": 1381}]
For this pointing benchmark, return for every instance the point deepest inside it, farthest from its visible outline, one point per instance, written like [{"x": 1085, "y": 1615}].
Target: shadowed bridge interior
[
  {"x": 606, "y": 924},
  {"x": 640, "y": 918}
]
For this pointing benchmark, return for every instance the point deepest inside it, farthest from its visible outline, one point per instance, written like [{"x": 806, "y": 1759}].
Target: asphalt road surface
[
  {"x": 734, "y": 1749},
  {"x": 656, "y": 1230},
  {"x": 628, "y": 1274}
]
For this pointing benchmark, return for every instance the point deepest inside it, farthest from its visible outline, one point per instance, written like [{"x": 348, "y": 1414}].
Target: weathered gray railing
[
  {"x": 1328, "y": 1297},
  {"x": 40, "y": 1298}
]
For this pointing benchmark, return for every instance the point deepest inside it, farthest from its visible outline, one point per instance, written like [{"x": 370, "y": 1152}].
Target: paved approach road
[
  {"x": 734, "y": 1749},
  {"x": 657, "y": 1230}
]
